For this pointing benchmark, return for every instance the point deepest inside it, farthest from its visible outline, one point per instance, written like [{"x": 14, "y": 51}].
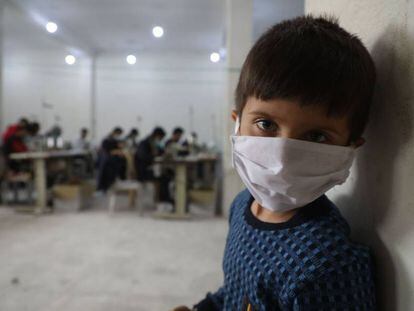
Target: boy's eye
[
  {"x": 266, "y": 125},
  {"x": 317, "y": 137}
]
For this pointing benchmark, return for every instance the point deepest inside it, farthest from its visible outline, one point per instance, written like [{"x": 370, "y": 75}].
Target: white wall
[
  {"x": 34, "y": 72},
  {"x": 266, "y": 13},
  {"x": 378, "y": 199},
  {"x": 161, "y": 89},
  {"x": 28, "y": 85}
]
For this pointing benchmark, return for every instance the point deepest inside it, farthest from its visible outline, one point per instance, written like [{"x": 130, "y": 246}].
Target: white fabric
[{"x": 283, "y": 174}]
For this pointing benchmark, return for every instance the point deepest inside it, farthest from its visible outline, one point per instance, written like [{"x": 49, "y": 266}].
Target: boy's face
[{"x": 287, "y": 119}]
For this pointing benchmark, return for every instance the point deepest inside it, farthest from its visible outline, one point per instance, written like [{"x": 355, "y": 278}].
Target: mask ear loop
[
  {"x": 236, "y": 133},
  {"x": 237, "y": 126}
]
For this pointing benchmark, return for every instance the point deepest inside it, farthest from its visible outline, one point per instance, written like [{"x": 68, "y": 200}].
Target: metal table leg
[
  {"x": 180, "y": 189},
  {"x": 40, "y": 184},
  {"x": 180, "y": 195}
]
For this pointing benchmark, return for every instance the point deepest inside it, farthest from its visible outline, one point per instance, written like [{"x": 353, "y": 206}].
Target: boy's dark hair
[
  {"x": 178, "y": 130},
  {"x": 314, "y": 61}
]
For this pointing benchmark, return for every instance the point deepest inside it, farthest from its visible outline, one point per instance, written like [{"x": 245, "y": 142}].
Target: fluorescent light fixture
[
  {"x": 70, "y": 59},
  {"x": 215, "y": 57},
  {"x": 51, "y": 27},
  {"x": 131, "y": 59},
  {"x": 158, "y": 31}
]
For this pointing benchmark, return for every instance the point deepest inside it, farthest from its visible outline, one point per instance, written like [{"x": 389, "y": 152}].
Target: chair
[
  {"x": 13, "y": 182},
  {"x": 76, "y": 196},
  {"x": 132, "y": 187}
]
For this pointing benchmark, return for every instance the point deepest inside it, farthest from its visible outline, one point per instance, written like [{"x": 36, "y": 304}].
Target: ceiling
[{"x": 124, "y": 26}]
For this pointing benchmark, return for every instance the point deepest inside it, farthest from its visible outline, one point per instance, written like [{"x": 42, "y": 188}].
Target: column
[
  {"x": 93, "y": 98},
  {"x": 2, "y": 125},
  {"x": 239, "y": 36}
]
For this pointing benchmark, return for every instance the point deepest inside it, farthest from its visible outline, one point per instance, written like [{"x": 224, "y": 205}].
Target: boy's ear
[
  {"x": 359, "y": 142},
  {"x": 234, "y": 115}
]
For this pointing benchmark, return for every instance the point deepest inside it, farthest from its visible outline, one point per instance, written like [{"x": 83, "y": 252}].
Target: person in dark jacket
[
  {"x": 173, "y": 146},
  {"x": 147, "y": 150},
  {"x": 112, "y": 162},
  {"x": 131, "y": 140}
]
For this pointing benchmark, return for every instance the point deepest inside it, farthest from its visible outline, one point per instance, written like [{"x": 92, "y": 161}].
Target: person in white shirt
[{"x": 82, "y": 143}]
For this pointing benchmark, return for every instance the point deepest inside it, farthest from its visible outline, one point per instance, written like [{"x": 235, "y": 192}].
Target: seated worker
[
  {"x": 111, "y": 163},
  {"x": 147, "y": 150},
  {"x": 34, "y": 141},
  {"x": 23, "y": 123},
  {"x": 15, "y": 143},
  {"x": 33, "y": 128},
  {"x": 302, "y": 103},
  {"x": 192, "y": 143},
  {"x": 83, "y": 164},
  {"x": 173, "y": 147},
  {"x": 131, "y": 140},
  {"x": 82, "y": 143}
]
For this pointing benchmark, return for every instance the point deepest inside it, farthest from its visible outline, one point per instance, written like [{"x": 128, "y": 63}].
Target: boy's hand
[{"x": 181, "y": 308}]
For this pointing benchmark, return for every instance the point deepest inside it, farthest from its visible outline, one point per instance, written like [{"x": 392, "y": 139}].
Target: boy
[{"x": 302, "y": 103}]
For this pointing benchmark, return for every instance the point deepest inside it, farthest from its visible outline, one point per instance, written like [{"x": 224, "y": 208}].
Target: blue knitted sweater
[{"x": 306, "y": 263}]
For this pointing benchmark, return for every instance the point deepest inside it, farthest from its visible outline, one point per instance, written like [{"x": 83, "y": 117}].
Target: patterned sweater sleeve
[{"x": 215, "y": 301}]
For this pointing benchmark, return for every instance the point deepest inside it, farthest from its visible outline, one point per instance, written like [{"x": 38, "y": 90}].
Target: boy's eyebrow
[{"x": 262, "y": 113}]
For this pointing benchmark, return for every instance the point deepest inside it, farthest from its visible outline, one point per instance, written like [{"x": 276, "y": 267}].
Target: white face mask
[{"x": 283, "y": 174}]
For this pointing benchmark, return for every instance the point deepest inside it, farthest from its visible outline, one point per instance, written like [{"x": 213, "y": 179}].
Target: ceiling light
[
  {"x": 215, "y": 57},
  {"x": 51, "y": 27},
  {"x": 70, "y": 59},
  {"x": 158, "y": 31},
  {"x": 131, "y": 59}
]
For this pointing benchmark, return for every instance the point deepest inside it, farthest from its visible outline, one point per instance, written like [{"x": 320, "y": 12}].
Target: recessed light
[
  {"x": 158, "y": 31},
  {"x": 70, "y": 59},
  {"x": 131, "y": 59},
  {"x": 215, "y": 57},
  {"x": 51, "y": 27}
]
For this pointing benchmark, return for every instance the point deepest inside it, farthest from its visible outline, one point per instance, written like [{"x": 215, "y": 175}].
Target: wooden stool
[{"x": 132, "y": 187}]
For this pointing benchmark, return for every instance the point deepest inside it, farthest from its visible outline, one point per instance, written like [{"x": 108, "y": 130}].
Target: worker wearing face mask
[
  {"x": 111, "y": 162},
  {"x": 147, "y": 150}
]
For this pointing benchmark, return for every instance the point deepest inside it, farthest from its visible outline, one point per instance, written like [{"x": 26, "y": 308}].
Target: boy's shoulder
[
  {"x": 307, "y": 254},
  {"x": 241, "y": 198},
  {"x": 318, "y": 237},
  {"x": 328, "y": 257}
]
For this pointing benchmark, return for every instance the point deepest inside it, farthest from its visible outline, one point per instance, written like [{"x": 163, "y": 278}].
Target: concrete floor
[{"x": 96, "y": 261}]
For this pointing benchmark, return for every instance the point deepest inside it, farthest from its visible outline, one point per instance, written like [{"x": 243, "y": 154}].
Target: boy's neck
[{"x": 266, "y": 215}]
